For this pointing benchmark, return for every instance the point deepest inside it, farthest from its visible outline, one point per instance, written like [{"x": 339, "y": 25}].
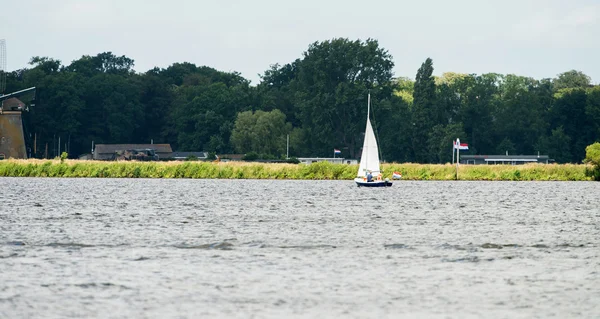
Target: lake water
[{"x": 141, "y": 248}]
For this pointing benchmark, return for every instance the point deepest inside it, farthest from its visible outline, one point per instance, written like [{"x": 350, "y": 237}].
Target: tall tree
[
  {"x": 506, "y": 147},
  {"x": 396, "y": 128},
  {"x": 422, "y": 110},
  {"x": 331, "y": 92},
  {"x": 404, "y": 88},
  {"x": 261, "y": 132},
  {"x": 557, "y": 146},
  {"x": 156, "y": 97},
  {"x": 440, "y": 140},
  {"x": 569, "y": 113},
  {"x": 592, "y": 111},
  {"x": 202, "y": 113},
  {"x": 478, "y": 104},
  {"x": 572, "y": 79},
  {"x": 276, "y": 90},
  {"x": 105, "y": 62},
  {"x": 520, "y": 114}
]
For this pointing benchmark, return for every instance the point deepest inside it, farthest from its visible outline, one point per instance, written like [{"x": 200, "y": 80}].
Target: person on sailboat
[{"x": 369, "y": 176}]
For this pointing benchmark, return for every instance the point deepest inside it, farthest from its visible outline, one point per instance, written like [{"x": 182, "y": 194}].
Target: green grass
[{"x": 316, "y": 171}]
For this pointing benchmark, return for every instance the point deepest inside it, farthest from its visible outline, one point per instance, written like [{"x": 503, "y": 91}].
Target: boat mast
[
  {"x": 368, "y": 111},
  {"x": 368, "y": 105}
]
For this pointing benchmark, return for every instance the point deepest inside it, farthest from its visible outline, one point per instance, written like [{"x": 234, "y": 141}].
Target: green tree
[
  {"x": 156, "y": 95},
  {"x": 61, "y": 110},
  {"x": 202, "y": 115},
  {"x": 331, "y": 92},
  {"x": 557, "y": 146},
  {"x": 276, "y": 90},
  {"x": 404, "y": 88},
  {"x": 423, "y": 113},
  {"x": 396, "y": 129},
  {"x": 440, "y": 141},
  {"x": 243, "y": 134},
  {"x": 592, "y": 156},
  {"x": 569, "y": 112},
  {"x": 592, "y": 110},
  {"x": 478, "y": 102},
  {"x": 506, "y": 147},
  {"x": 519, "y": 113},
  {"x": 261, "y": 132},
  {"x": 572, "y": 79},
  {"x": 105, "y": 62},
  {"x": 271, "y": 132},
  {"x": 46, "y": 65}
]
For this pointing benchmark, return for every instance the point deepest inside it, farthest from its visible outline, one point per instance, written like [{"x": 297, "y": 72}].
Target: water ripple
[{"x": 273, "y": 249}]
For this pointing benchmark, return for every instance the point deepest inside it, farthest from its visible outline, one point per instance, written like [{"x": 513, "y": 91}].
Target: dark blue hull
[{"x": 374, "y": 183}]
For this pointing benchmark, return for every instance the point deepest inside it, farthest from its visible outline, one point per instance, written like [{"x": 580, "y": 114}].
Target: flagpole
[{"x": 457, "y": 156}]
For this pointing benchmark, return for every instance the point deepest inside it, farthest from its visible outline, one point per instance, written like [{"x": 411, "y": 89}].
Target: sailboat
[{"x": 369, "y": 161}]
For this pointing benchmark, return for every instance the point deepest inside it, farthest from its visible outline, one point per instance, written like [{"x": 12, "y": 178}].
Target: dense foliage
[
  {"x": 319, "y": 100},
  {"x": 592, "y": 156}
]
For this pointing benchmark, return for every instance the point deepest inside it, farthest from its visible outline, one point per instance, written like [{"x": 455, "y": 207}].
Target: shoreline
[{"x": 315, "y": 171}]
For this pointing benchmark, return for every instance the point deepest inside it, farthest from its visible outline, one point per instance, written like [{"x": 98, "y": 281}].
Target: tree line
[{"x": 319, "y": 101}]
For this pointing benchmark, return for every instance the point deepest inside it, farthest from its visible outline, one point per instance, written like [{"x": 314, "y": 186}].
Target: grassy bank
[{"x": 318, "y": 171}]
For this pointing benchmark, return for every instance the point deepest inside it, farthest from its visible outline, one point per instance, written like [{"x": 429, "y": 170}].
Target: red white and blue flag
[
  {"x": 336, "y": 151},
  {"x": 461, "y": 146}
]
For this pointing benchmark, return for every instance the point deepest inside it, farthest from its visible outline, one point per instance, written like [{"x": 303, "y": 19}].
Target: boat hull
[{"x": 362, "y": 183}]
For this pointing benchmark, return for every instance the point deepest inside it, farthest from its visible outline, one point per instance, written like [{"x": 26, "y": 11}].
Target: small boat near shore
[{"x": 369, "y": 171}]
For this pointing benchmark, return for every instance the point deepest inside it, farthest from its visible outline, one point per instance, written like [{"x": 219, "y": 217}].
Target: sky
[{"x": 535, "y": 38}]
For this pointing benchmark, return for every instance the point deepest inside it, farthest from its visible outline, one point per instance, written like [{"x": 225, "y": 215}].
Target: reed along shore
[{"x": 315, "y": 171}]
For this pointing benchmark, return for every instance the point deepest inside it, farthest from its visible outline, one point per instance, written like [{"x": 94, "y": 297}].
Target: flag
[
  {"x": 396, "y": 175},
  {"x": 461, "y": 146},
  {"x": 336, "y": 151}
]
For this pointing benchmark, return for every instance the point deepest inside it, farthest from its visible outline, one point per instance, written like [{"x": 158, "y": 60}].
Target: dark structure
[
  {"x": 12, "y": 141},
  {"x": 504, "y": 159},
  {"x": 230, "y": 157},
  {"x": 143, "y": 154},
  {"x": 110, "y": 152},
  {"x": 180, "y": 156},
  {"x": 12, "y": 133}
]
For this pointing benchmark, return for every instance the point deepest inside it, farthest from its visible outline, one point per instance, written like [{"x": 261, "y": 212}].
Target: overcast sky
[{"x": 537, "y": 38}]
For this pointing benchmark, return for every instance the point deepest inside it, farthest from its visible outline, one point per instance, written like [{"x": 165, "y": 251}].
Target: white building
[{"x": 337, "y": 160}]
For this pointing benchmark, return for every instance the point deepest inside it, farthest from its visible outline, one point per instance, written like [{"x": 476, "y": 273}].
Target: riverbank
[{"x": 317, "y": 171}]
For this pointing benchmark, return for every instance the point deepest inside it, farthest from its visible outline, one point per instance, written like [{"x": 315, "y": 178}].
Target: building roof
[
  {"x": 322, "y": 158},
  {"x": 111, "y": 148},
  {"x": 12, "y": 104}
]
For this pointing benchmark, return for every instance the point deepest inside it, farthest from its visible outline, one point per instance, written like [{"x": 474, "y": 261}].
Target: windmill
[{"x": 12, "y": 137}]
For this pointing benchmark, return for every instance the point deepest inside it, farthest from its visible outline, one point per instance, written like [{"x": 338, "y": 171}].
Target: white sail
[{"x": 369, "y": 161}]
